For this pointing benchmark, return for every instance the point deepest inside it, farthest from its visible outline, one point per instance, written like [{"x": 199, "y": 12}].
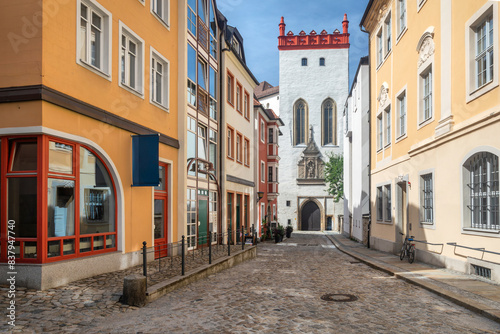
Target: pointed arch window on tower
[
  {"x": 329, "y": 112},
  {"x": 301, "y": 120}
]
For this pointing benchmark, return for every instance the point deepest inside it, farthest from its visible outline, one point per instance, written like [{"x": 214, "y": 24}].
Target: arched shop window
[{"x": 59, "y": 197}]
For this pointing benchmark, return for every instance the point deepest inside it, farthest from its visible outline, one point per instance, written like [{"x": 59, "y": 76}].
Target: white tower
[{"x": 314, "y": 82}]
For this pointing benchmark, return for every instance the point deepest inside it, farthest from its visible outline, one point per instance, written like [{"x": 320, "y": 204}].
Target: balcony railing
[{"x": 202, "y": 34}]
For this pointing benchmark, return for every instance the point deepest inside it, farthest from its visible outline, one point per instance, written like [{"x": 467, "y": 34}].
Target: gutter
[{"x": 369, "y": 128}]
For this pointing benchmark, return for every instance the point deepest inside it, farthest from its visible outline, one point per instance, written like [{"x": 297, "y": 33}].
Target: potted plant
[
  {"x": 281, "y": 232},
  {"x": 289, "y": 230},
  {"x": 276, "y": 235}
]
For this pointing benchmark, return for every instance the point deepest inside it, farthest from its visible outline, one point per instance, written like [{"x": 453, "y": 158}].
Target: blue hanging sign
[{"x": 145, "y": 158}]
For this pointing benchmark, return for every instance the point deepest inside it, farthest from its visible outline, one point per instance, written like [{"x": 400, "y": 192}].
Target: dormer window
[
  {"x": 304, "y": 61},
  {"x": 236, "y": 45}
]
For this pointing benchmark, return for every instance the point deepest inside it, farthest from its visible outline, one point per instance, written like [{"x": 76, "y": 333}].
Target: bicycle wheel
[
  {"x": 411, "y": 254},
  {"x": 402, "y": 253}
]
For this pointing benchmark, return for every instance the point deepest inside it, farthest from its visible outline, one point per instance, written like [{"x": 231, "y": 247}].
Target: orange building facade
[{"x": 77, "y": 80}]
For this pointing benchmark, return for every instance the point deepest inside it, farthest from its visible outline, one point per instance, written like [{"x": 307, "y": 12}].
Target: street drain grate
[
  {"x": 339, "y": 297},
  {"x": 354, "y": 262}
]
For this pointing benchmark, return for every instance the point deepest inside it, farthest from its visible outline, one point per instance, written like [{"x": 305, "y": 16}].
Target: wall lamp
[{"x": 260, "y": 194}]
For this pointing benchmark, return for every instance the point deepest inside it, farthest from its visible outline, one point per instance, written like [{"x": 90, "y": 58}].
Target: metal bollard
[
  {"x": 209, "y": 247},
  {"x": 182, "y": 255},
  {"x": 242, "y": 237},
  {"x": 253, "y": 234},
  {"x": 144, "y": 259},
  {"x": 229, "y": 241}
]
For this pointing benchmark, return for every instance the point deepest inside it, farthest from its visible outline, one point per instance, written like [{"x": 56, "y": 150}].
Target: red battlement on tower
[{"x": 302, "y": 41}]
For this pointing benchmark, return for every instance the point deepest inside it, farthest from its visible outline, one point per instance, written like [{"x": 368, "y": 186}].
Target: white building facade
[
  {"x": 357, "y": 155},
  {"x": 313, "y": 88}
]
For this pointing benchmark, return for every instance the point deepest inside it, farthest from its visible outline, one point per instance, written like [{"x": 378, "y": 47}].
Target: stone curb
[
  {"x": 160, "y": 289},
  {"x": 417, "y": 280}
]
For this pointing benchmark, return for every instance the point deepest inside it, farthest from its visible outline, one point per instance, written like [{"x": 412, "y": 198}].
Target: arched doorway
[{"x": 310, "y": 217}]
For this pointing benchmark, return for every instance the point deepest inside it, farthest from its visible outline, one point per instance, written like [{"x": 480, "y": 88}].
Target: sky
[{"x": 257, "y": 21}]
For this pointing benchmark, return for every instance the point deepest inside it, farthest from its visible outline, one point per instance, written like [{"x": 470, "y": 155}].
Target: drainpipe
[
  {"x": 222, "y": 177},
  {"x": 222, "y": 136},
  {"x": 369, "y": 139}
]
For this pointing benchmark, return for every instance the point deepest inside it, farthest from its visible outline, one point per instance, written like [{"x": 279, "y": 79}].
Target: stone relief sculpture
[
  {"x": 311, "y": 166},
  {"x": 426, "y": 50}
]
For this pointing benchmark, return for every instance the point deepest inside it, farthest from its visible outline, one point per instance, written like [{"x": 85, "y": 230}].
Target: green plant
[
  {"x": 334, "y": 176},
  {"x": 289, "y": 228},
  {"x": 280, "y": 230}
]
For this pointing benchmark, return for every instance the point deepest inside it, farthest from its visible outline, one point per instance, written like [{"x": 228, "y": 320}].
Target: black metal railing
[
  {"x": 483, "y": 250},
  {"x": 177, "y": 258},
  {"x": 432, "y": 244}
]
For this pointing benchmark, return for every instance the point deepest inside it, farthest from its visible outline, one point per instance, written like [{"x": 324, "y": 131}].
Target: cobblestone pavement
[
  {"x": 280, "y": 290},
  {"x": 75, "y": 306}
]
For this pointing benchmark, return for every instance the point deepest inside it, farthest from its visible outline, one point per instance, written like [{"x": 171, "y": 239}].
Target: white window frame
[
  {"x": 191, "y": 13},
  {"x": 380, "y": 132},
  {"x": 427, "y": 72},
  {"x": 106, "y": 41},
  {"x": 388, "y": 126},
  {"x": 402, "y": 18},
  {"x": 401, "y": 96},
  {"x": 380, "y": 48},
  {"x": 465, "y": 194},
  {"x": 164, "y": 15},
  {"x": 262, "y": 131},
  {"x": 388, "y": 34},
  {"x": 139, "y": 70},
  {"x": 262, "y": 172},
  {"x": 472, "y": 91},
  {"x": 386, "y": 201},
  {"x": 420, "y": 4},
  {"x": 263, "y": 212},
  {"x": 421, "y": 195},
  {"x": 153, "y": 54}
]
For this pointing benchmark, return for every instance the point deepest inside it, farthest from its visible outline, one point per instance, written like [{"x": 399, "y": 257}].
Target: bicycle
[{"x": 408, "y": 249}]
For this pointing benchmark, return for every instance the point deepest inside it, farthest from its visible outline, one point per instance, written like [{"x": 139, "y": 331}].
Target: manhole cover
[{"x": 339, "y": 297}]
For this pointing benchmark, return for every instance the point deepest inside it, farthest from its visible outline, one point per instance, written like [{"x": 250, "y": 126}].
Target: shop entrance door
[{"x": 202, "y": 220}]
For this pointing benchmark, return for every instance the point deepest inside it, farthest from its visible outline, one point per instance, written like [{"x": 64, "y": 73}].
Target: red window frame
[
  {"x": 230, "y": 143},
  {"x": 246, "y": 106},
  {"x": 247, "y": 153},
  {"x": 42, "y": 175},
  {"x": 239, "y": 146},
  {"x": 230, "y": 88},
  {"x": 239, "y": 93}
]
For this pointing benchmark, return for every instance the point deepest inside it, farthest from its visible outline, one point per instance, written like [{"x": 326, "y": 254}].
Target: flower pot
[
  {"x": 288, "y": 234},
  {"x": 276, "y": 238}
]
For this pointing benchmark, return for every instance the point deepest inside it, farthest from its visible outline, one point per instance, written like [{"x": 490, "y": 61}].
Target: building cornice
[
  {"x": 235, "y": 179},
  {"x": 44, "y": 93}
]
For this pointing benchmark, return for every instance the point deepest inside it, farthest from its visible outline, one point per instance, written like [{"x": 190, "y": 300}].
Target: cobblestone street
[{"x": 280, "y": 292}]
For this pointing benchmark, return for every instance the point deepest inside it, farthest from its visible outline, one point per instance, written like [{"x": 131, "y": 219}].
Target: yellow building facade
[
  {"x": 435, "y": 119},
  {"x": 239, "y": 163},
  {"x": 78, "y": 79}
]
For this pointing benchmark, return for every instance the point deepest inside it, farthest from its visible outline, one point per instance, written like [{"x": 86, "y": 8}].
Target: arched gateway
[{"x": 310, "y": 217}]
